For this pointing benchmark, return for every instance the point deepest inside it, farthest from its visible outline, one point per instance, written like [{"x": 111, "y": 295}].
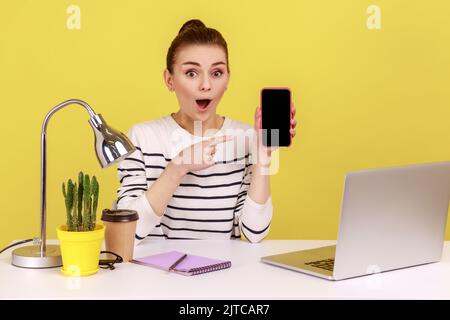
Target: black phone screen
[{"x": 276, "y": 117}]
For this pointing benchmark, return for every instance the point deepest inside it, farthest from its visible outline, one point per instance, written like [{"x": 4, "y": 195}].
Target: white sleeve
[
  {"x": 131, "y": 194},
  {"x": 254, "y": 218}
]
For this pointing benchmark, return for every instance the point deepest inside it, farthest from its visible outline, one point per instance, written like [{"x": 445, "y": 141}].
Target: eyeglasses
[{"x": 109, "y": 263}]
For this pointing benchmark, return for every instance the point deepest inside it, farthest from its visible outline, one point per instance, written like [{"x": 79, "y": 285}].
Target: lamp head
[{"x": 111, "y": 145}]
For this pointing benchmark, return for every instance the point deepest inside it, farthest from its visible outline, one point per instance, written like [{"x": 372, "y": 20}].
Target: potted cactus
[{"x": 81, "y": 237}]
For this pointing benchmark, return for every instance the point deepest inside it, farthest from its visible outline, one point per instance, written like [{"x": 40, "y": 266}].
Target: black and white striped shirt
[{"x": 208, "y": 204}]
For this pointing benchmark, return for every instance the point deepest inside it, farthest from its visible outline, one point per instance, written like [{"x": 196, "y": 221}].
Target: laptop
[{"x": 391, "y": 218}]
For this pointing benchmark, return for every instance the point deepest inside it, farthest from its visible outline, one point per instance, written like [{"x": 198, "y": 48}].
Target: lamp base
[{"x": 30, "y": 257}]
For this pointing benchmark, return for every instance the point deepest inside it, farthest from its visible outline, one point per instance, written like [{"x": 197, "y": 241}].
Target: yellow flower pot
[{"x": 80, "y": 251}]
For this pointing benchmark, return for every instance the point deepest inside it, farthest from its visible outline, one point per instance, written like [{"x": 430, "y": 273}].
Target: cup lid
[{"x": 119, "y": 215}]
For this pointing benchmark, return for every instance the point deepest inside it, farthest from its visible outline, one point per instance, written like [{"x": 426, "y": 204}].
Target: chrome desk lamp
[{"x": 110, "y": 146}]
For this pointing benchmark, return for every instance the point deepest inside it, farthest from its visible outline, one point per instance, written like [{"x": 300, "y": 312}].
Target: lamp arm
[{"x": 44, "y": 164}]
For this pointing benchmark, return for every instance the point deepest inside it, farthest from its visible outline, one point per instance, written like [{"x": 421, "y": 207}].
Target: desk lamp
[{"x": 110, "y": 146}]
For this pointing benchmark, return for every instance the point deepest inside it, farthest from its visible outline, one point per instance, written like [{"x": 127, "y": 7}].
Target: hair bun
[{"x": 194, "y": 23}]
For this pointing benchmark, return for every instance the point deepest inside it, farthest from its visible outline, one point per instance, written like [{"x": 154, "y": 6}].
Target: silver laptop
[{"x": 391, "y": 218}]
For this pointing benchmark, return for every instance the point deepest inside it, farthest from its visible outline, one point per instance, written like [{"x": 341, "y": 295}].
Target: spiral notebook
[{"x": 189, "y": 266}]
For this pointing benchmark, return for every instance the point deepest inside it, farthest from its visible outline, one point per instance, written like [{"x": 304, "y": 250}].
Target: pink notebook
[{"x": 191, "y": 265}]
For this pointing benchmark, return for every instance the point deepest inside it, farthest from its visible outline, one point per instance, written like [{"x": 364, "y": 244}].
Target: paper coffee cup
[{"x": 120, "y": 231}]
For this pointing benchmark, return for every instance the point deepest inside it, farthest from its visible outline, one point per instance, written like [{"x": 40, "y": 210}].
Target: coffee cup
[{"x": 120, "y": 231}]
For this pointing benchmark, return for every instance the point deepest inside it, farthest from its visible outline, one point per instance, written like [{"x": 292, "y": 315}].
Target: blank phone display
[{"x": 276, "y": 117}]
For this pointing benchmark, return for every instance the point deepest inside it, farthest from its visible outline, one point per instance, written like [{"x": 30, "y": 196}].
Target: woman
[{"x": 192, "y": 177}]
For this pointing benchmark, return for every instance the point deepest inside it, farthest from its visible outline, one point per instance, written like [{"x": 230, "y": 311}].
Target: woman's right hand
[{"x": 199, "y": 156}]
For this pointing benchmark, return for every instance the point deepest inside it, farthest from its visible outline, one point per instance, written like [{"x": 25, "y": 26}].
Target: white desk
[{"x": 248, "y": 278}]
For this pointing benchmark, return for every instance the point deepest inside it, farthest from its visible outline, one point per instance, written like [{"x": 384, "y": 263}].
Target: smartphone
[{"x": 276, "y": 117}]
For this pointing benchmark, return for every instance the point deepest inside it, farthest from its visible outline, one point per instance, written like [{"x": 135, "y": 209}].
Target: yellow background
[{"x": 365, "y": 98}]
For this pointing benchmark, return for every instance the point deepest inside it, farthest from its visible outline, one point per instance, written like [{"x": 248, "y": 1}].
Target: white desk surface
[{"x": 248, "y": 278}]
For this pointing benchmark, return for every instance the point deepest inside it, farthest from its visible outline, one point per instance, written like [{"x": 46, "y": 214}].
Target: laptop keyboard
[{"x": 327, "y": 264}]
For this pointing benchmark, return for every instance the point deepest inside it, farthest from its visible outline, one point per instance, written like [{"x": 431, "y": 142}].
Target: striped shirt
[{"x": 208, "y": 204}]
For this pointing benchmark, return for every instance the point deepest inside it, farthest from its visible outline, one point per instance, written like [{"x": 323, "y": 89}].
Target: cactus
[
  {"x": 87, "y": 198},
  {"x": 95, "y": 191},
  {"x": 81, "y": 203},
  {"x": 80, "y": 198},
  {"x": 64, "y": 190},
  {"x": 74, "y": 209},
  {"x": 69, "y": 203}
]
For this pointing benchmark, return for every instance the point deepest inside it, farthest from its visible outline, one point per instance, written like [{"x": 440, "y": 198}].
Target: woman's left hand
[{"x": 264, "y": 151}]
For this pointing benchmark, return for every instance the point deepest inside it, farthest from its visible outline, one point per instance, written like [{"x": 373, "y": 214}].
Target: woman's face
[{"x": 199, "y": 79}]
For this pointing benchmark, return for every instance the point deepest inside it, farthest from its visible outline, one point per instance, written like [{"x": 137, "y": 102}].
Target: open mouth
[{"x": 203, "y": 103}]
